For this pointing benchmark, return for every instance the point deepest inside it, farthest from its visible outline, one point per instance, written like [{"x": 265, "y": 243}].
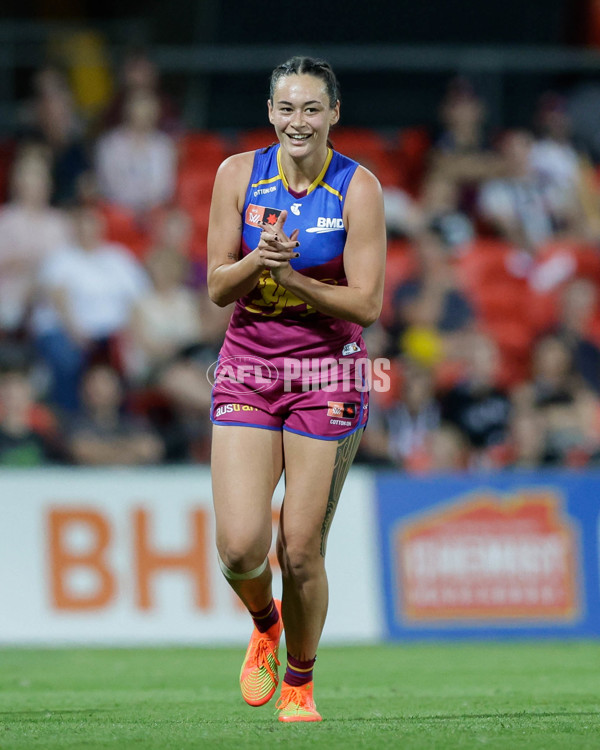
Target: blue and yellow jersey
[{"x": 271, "y": 321}]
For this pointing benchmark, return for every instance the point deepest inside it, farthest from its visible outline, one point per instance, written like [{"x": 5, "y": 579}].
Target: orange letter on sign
[
  {"x": 63, "y": 560},
  {"x": 193, "y": 560}
]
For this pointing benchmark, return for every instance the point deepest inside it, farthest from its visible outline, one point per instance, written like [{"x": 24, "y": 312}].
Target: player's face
[{"x": 302, "y": 114}]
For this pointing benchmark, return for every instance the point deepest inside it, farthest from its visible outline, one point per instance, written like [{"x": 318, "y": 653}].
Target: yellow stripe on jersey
[
  {"x": 319, "y": 179},
  {"x": 331, "y": 190},
  {"x": 265, "y": 182}
]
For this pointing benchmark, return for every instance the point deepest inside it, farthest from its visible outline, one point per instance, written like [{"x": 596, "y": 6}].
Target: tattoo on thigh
[{"x": 344, "y": 456}]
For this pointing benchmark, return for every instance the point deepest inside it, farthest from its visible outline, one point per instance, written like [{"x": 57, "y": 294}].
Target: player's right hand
[{"x": 275, "y": 249}]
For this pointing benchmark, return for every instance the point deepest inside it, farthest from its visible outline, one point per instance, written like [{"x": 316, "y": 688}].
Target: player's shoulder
[
  {"x": 363, "y": 184},
  {"x": 234, "y": 173},
  {"x": 235, "y": 163}
]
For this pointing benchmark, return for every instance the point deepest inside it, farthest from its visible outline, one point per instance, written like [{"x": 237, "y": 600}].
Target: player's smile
[{"x": 299, "y": 138}]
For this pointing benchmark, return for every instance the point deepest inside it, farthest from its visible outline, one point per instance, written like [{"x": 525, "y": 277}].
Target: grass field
[{"x": 524, "y": 695}]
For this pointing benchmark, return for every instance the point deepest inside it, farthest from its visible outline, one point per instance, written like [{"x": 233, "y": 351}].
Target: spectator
[
  {"x": 136, "y": 162},
  {"x": 102, "y": 434},
  {"x": 169, "y": 322},
  {"x": 448, "y": 450},
  {"x": 568, "y": 409},
  {"x": 54, "y": 125},
  {"x": 441, "y": 212},
  {"x": 462, "y": 154},
  {"x": 139, "y": 73},
  {"x": 30, "y": 232},
  {"x": 577, "y": 310},
  {"x": 411, "y": 420},
  {"x": 527, "y": 444},
  {"x": 521, "y": 207},
  {"x": 429, "y": 303},
  {"x": 87, "y": 291},
  {"x": 174, "y": 336},
  {"x": 553, "y": 157},
  {"x": 477, "y": 405},
  {"x": 403, "y": 215},
  {"x": 27, "y": 429}
]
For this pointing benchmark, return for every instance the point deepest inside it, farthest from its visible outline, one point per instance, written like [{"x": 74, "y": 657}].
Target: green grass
[{"x": 442, "y": 697}]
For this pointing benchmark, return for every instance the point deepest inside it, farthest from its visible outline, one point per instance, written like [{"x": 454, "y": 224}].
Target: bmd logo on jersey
[
  {"x": 326, "y": 224},
  {"x": 487, "y": 557}
]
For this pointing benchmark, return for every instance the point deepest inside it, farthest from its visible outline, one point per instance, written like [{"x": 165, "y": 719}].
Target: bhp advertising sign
[{"x": 128, "y": 557}]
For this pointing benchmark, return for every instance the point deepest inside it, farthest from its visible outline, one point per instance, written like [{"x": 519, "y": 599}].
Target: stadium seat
[
  {"x": 485, "y": 261},
  {"x": 412, "y": 147},
  {"x": 202, "y": 149},
  {"x": 250, "y": 140},
  {"x": 401, "y": 264},
  {"x": 194, "y": 188},
  {"x": 370, "y": 149},
  {"x": 122, "y": 227}
]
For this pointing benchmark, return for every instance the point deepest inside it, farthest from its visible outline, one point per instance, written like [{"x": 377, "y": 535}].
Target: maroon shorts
[{"x": 328, "y": 399}]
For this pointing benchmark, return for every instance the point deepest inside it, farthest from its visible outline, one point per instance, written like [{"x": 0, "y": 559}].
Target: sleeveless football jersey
[{"x": 270, "y": 321}]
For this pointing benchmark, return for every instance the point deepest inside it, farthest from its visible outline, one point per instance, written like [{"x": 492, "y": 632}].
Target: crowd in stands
[{"x": 491, "y": 319}]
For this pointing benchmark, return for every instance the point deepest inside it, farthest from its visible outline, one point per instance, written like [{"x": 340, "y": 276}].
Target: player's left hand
[{"x": 279, "y": 248}]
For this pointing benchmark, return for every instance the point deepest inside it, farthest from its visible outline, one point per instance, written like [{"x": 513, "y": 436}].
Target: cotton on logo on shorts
[
  {"x": 339, "y": 409},
  {"x": 255, "y": 374}
]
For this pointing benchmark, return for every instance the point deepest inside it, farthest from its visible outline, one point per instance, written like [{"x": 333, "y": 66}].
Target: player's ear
[
  {"x": 335, "y": 114},
  {"x": 270, "y": 110}
]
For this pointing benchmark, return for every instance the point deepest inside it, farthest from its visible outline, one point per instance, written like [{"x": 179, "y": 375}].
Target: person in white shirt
[
  {"x": 86, "y": 293},
  {"x": 523, "y": 208},
  {"x": 136, "y": 162}
]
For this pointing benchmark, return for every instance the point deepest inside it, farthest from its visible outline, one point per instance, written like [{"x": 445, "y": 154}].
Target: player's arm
[
  {"x": 364, "y": 259},
  {"x": 230, "y": 277}
]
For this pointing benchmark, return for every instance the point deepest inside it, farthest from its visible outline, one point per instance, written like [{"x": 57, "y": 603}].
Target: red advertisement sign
[{"x": 488, "y": 557}]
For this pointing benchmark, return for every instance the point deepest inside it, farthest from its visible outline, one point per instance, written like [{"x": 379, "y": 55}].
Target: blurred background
[{"x": 480, "y": 121}]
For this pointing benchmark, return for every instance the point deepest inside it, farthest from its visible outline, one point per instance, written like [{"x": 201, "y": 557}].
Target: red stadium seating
[
  {"x": 202, "y": 149},
  {"x": 251, "y": 140}
]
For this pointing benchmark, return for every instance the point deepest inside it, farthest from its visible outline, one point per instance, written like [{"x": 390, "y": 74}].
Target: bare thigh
[
  {"x": 315, "y": 471},
  {"x": 246, "y": 465}
]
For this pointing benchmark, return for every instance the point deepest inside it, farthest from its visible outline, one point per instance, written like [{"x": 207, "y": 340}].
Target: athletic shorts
[{"x": 328, "y": 401}]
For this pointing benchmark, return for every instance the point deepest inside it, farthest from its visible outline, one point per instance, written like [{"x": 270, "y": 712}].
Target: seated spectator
[
  {"x": 577, "y": 310},
  {"x": 462, "y": 153},
  {"x": 411, "y": 420},
  {"x": 57, "y": 128},
  {"x": 553, "y": 156},
  {"x": 168, "y": 323},
  {"x": 478, "y": 406},
  {"x": 430, "y": 301},
  {"x": 27, "y": 429},
  {"x": 523, "y": 208},
  {"x": 527, "y": 441},
  {"x": 174, "y": 336},
  {"x": 139, "y": 73},
  {"x": 102, "y": 434},
  {"x": 86, "y": 294},
  {"x": 448, "y": 450},
  {"x": 442, "y": 214},
  {"x": 438, "y": 210},
  {"x": 136, "y": 162},
  {"x": 568, "y": 409},
  {"x": 403, "y": 215},
  {"x": 30, "y": 232}
]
